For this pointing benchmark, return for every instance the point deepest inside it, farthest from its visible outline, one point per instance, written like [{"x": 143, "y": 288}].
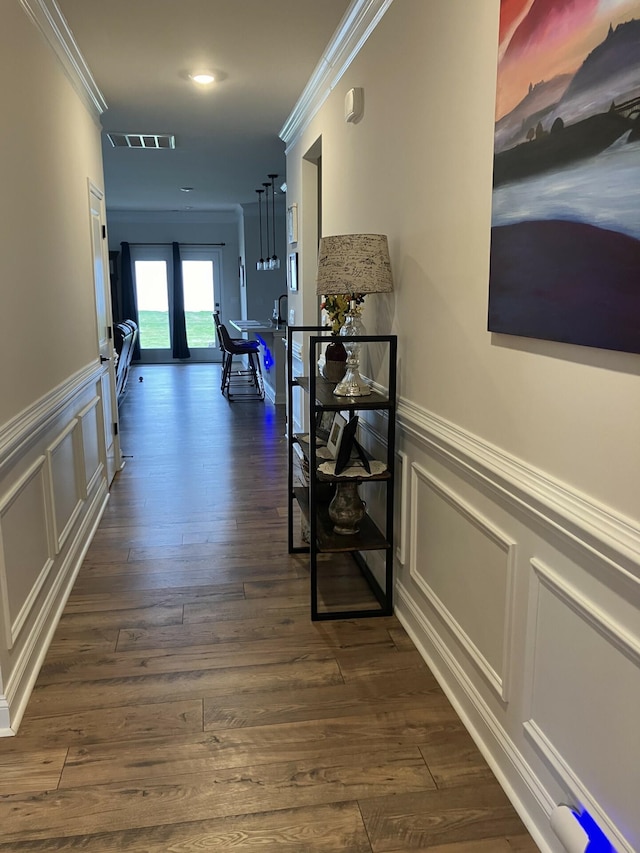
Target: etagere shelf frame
[{"x": 319, "y": 398}]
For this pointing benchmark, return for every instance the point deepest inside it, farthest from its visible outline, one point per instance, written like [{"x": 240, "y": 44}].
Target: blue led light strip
[{"x": 267, "y": 358}]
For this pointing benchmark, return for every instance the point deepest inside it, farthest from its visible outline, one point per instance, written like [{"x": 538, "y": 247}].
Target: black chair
[
  {"x": 249, "y": 377},
  {"x": 239, "y": 341},
  {"x": 216, "y": 320}
]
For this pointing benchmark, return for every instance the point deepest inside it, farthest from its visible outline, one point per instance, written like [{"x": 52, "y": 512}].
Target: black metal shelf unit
[{"x": 311, "y": 497}]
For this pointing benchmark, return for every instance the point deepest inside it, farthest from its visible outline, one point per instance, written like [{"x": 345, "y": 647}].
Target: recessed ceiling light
[
  {"x": 203, "y": 78},
  {"x": 186, "y": 189}
]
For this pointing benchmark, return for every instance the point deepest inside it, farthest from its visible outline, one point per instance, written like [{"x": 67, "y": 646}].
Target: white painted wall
[
  {"x": 51, "y": 145},
  {"x": 519, "y": 531},
  {"x": 52, "y": 455}
]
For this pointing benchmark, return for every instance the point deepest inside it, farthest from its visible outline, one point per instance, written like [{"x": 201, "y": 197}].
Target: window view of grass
[
  {"x": 198, "y": 303},
  {"x": 200, "y": 328},
  {"x": 154, "y": 329},
  {"x": 153, "y": 303}
]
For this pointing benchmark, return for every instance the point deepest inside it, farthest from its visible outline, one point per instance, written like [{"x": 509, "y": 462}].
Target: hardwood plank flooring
[{"x": 187, "y": 702}]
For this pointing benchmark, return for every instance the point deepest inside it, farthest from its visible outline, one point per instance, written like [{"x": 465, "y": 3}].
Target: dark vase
[
  {"x": 346, "y": 510},
  {"x": 335, "y": 361}
]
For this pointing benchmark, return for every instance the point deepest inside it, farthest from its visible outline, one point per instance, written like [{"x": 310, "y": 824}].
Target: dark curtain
[
  {"x": 180, "y": 347},
  {"x": 129, "y": 305}
]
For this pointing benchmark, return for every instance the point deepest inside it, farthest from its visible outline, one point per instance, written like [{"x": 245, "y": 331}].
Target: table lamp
[{"x": 353, "y": 264}]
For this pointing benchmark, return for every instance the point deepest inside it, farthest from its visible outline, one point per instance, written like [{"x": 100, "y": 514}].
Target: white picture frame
[
  {"x": 292, "y": 270},
  {"x": 292, "y": 223},
  {"x": 335, "y": 434}
]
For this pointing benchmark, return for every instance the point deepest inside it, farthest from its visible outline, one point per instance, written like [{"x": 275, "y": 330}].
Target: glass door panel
[
  {"x": 153, "y": 304},
  {"x": 199, "y": 300}
]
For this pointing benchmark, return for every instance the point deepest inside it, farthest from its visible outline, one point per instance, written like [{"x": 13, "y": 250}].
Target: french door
[{"x": 153, "y": 278}]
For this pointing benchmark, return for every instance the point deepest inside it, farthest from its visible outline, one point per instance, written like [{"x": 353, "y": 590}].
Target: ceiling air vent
[{"x": 142, "y": 140}]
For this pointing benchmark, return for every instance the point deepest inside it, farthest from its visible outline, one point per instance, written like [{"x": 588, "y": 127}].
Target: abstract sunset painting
[{"x": 565, "y": 231}]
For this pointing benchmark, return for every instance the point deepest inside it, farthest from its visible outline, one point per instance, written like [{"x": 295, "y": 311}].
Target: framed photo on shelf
[
  {"x": 292, "y": 270},
  {"x": 335, "y": 434},
  {"x": 346, "y": 444},
  {"x": 324, "y": 422},
  {"x": 292, "y": 223}
]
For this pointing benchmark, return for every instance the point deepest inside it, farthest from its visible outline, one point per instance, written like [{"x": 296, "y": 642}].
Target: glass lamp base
[{"x": 352, "y": 385}]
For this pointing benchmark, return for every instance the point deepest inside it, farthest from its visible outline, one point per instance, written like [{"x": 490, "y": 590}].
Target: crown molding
[
  {"x": 48, "y": 18},
  {"x": 359, "y": 21}
]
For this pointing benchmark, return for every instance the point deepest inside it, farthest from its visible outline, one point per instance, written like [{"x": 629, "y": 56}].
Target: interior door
[{"x": 104, "y": 324}]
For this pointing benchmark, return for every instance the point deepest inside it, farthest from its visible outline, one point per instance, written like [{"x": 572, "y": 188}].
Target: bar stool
[{"x": 249, "y": 376}]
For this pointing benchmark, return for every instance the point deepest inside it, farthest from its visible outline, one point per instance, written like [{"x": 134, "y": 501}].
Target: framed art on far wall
[{"x": 292, "y": 270}]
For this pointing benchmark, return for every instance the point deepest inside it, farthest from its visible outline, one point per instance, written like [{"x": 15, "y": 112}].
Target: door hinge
[
  {"x": 115, "y": 429},
  {"x": 104, "y": 232},
  {"x": 109, "y": 332}
]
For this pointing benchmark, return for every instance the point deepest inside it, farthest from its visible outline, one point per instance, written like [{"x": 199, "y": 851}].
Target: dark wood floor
[{"x": 189, "y": 704}]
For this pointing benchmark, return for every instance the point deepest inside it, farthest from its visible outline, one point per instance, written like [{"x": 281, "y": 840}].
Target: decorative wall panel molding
[
  {"x": 25, "y": 552},
  {"x": 573, "y": 633},
  {"x": 33, "y": 650},
  {"x": 23, "y": 431},
  {"x": 464, "y": 565},
  {"x": 90, "y": 431},
  {"x": 404, "y": 504},
  {"x": 584, "y": 684},
  {"x": 64, "y": 461},
  {"x": 598, "y": 531},
  {"x": 52, "y": 493}
]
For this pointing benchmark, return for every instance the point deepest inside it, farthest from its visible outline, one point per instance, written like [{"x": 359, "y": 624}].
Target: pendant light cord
[
  {"x": 260, "y": 217},
  {"x": 266, "y": 187},
  {"x": 273, "y": 208}
]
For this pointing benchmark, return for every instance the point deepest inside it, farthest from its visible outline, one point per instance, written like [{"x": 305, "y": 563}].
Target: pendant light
[
  {"x": 274, "y": 262},
  {"x": 267, "y": 263},
  {"x": 260, "y": 265}
]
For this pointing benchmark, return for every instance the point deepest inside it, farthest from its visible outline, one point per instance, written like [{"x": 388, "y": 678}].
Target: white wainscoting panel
[
  {"x": 25, "y": 553},
  {"x": 90, "y": 431},
  {"x": 464, "y": 565},
  {"x": 585, "y": 695},
  {"x": 64, "y": 459},
  {"x": 403, "y": 490},
  {"x": 53, "y": 491},
  {"x": 570, "y": 634}
]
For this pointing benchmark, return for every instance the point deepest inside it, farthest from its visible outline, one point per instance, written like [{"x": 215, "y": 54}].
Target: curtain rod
[{"x": 177, "y": 241}]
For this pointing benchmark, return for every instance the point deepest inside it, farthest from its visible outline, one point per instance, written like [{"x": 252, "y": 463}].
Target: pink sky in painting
[{"x": 540, "y": 39}]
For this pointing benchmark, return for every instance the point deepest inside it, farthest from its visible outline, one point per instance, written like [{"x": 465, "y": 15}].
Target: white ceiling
[{"x": 141, "y": 52}]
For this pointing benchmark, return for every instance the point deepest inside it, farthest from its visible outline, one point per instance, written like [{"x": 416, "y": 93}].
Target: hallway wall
[
  {"x": 518, "y": 570},
  {"x": 52, "y": 432}
]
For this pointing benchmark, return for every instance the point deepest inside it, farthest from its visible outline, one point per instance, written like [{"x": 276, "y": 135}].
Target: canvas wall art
[{"x": 565, "y": 231}]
